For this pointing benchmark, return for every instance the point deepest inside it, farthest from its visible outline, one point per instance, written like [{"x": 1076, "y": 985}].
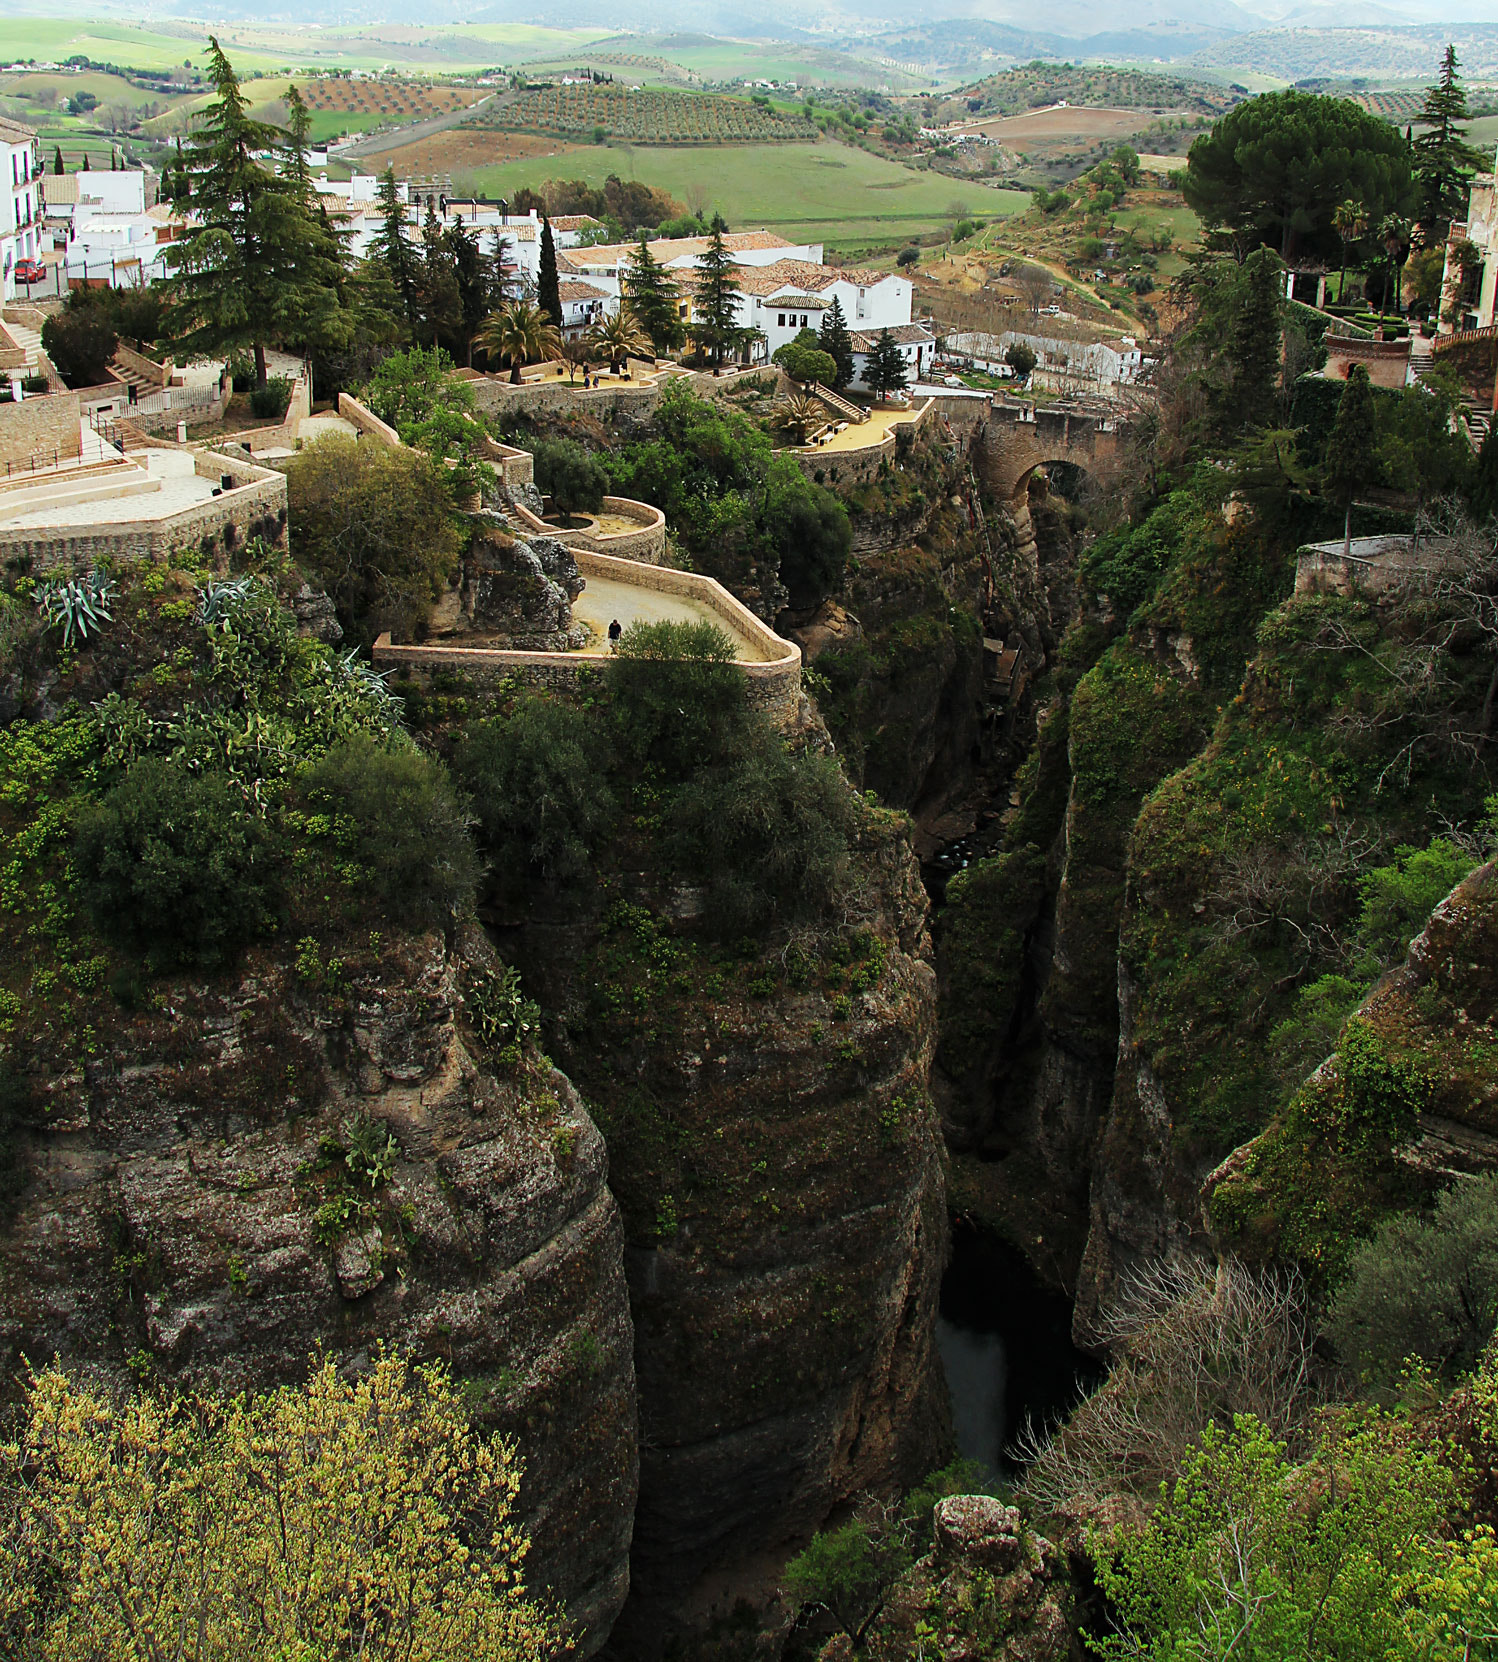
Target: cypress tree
[
  {"x": 1254, "y": 348},
  {"x": 652, "y": 296},
  {"x": 1443, "y": 159},
  {"x": 85, "y": 161},
  {"x": 391, "y": 246},
  {"x": 1351, "y": 460},
  {"x": 548, "y": 288},
  {"x": 837, "y": 343},
  {"x": 715, "y": 297},
  {"x": 57, "y": 167}
]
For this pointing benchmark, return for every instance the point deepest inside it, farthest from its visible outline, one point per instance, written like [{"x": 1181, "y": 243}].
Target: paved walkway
[{"x": 605, "y": 599}]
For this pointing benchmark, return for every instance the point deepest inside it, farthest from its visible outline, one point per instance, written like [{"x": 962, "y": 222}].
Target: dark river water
[{"x": 1005, "y": 1343}]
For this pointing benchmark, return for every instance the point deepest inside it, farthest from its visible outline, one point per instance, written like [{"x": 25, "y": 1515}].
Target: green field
[
  {"x": 1484, "y": 131},
  {"x": 162, "y": 45},
  {"x": 810, "y": 192}
]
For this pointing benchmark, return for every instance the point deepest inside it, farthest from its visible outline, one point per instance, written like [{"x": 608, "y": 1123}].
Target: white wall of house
[
  {"x": 1468, "y": 301},
  {"x": 919, "y": 356},
  {"x": 122, "y": 249},
  {"x": 21, "y": 210}
]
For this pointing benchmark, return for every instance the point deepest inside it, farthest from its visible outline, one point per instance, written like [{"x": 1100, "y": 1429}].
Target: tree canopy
[{"x": 1275, "y": 168}]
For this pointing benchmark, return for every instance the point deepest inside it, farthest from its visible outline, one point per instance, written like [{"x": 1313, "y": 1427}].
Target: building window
[{"x": 780, "y": 321}]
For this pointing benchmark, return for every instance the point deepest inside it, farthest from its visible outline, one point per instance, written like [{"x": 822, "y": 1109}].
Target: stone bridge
[{"x": 1018, "y": 438}]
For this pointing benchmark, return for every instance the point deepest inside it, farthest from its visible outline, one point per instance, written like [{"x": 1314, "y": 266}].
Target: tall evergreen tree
[
  {"x": 885, "y": 371},
  {"x": 1351, "y": 451},
  {"x": 1255, "y": 346},
  {"x": 837, "y": 343},
  {"x": 506, "y": 280},
  {"x": 325, "y": 323},
  {"x": 244, "y": 279},
  {"x": 57, "y": 167},
  {"x": 548, "y": 287},
  {"x": 652, "y": 295},
  {"x": 471, "y": 277},
  {"x": 1444, "y": 160},
  {"x": 391, "y": 246},
  {"x": 715, "y": 297},
  {"x": 441, "y": 306}
]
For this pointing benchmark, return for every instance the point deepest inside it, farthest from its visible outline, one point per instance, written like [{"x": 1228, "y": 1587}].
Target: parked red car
[{"x": 30, "y": 271}]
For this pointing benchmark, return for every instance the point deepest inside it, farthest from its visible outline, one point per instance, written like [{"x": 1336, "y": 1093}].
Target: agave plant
[
  {"x": 79, "y": 604},
  {"x": 372, "y": 683},
  {"x": 219, "y": 599}
]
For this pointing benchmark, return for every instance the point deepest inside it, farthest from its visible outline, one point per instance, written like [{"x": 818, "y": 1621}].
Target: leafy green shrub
[
  {"x": 809, "y": 530},
  {"x": 571, "y": 476},
  {"x": 269, "y": 402},
  {"x": 405, "y": 826},
  {"x": 376, "y": 528},
  {"x": 176, "y": 865},
  {"x": 1423, "y": 1287},
  {"x": 675, "y": 698},
  {"x": 538, "y": 786},
  {"x": 849, "y": 1572},
  {"x": 768, "y": 833},
  {"x": 1249, "y": 1556}
]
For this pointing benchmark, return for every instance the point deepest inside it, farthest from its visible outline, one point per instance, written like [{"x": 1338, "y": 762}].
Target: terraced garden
[{"x": 652, "y": 115}]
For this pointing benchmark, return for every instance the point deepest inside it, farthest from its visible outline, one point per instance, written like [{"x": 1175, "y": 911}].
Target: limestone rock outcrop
[{"x": 259, "y": 1166}]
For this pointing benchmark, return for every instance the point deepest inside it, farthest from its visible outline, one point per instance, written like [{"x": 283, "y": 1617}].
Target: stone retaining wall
[
  {"x": 44, "y": 428},
  {"x": 842, "y": 469},
  {"x": 647, "y": 546},
  {"x": 361, "y": 416},
  {"x": 774, "y": 685},
  {"x": 256, "y": 504}
]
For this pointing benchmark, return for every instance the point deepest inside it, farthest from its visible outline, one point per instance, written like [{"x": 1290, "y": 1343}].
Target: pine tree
[
  {"x": 441, "y": 308},
  {"x": 548, "y": 287},
  {"x": 391, "y": 247},
  {"x": 57, "y": 167},
  {"x": 715, "y": 297},
  {"x": 1351, "y": 460},
  {"x": 245, "y": 279},
  {"x": 1482, "y": 493},
  {"x": 506, "y": 280},
  {"x": 470, "y": 269},
  {"x": 324, "y": 323},
  {"x": 653, "y": 298},
  {"x": 837, "y": 343},
  {"x": 1443, "y": 159},
  {"x": 885, "y": 371}
]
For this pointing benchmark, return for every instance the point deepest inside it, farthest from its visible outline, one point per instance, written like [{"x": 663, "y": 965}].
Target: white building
[
  {"x": 584, "y": 304},
  {"x": 120, "y": 250},
  {"x": 21, "y": 211},
  {"x": 917, "y": 344},
  {"x": 1468, "y": 290},
  {"x": 1061, "y": 365},
  {"x": 783, "y": 297}
]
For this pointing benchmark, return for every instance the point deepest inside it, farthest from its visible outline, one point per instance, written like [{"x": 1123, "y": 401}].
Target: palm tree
[
  {"x": 620, "y": 336},
  {"x": 1349, "y": 221},
  {"x": 800, "y": 414},
  {"x": 521, "y": 332},
  {"x": 1394, "y": 234}
]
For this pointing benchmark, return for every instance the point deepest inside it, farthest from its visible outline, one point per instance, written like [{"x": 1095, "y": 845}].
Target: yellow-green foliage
[{"x": 343, "y": 1518}]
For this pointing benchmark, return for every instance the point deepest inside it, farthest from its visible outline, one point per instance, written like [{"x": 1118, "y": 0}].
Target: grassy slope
[{"x": 830, "y": 192}]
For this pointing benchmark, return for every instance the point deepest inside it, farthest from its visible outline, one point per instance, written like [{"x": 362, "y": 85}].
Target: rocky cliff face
[
  {"x": 311, "y": 1155},
  {"x": 775, "y": 1155}
]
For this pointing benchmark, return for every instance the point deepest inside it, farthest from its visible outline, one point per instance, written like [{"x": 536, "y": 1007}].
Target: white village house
[{"x": 21, "y": 211}]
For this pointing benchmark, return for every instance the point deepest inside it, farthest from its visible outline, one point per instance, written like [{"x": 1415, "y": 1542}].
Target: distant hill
[
  {"x": 1036, "y": 85},
  {"x": 1407, "y": 53}
]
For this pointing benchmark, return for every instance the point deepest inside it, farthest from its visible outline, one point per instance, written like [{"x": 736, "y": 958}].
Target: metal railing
[{"x": 38, "y": 460}]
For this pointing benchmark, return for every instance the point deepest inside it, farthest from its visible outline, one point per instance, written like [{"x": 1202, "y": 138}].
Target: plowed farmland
[{"x": 393, "y": 100}]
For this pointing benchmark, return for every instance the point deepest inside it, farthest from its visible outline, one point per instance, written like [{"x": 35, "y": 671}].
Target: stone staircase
[
  {"x": 837, "y": 403},
  {"x": 133, "y": 377},
  {"x": 29, "y": 341}
]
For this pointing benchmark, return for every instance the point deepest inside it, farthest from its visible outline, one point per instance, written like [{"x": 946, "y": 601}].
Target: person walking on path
[{"x": 615, "y": 631}]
